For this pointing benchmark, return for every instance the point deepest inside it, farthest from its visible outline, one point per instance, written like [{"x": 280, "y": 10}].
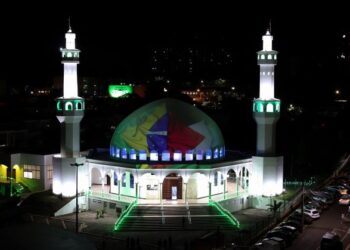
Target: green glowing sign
[{"x": 117, "y": 91}]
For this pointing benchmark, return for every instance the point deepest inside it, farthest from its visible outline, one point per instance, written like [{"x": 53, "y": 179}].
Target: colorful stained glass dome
[{"x": 167, "y": 130}]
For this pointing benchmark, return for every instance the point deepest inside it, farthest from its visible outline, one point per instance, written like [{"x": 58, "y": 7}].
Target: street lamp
[{"x": 76, "y": 194}]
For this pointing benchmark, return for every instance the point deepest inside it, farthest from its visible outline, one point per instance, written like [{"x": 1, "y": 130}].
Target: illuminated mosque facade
[{"x": 166, "y": 152}]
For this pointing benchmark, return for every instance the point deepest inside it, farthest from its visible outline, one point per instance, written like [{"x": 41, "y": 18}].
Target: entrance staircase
[{"x": 176, "y": 218}]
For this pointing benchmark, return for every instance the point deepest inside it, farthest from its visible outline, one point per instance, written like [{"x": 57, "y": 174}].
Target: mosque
[{"x": 166, "y": 152}]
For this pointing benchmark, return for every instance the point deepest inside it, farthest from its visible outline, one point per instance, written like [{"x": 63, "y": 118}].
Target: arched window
[
  {"x": 111, "y": 151},
  {"x": 177, "y": 155},
  {"x": 208, "y": 154},
  {"x": 124, "y": 180},
  {"x": 277, "y": 107},
  {"x": 153, "y": 155},
  {"x": 275, "y": 56},
  {"x": 117, "y": 152},
  {"x": 115, "y": 178},
  {"x": 269, "y": 57},
  {"x": 262, "y": 57},
  {"x": 222, "y": 152},
  {"x": 132, "y": 181},
  {"x": 69, "y": 106},
  {"x": 59, "y": 105},
  {"x": 166, "y": 155},
  {"x": 269, "y": 107},
  {"x": 216, "y": 153},
  {"x": 124, "y": 153},
  {"x": 215, "y": 179},
  {"x": 221, "y": 179},
  {"x": 189, "y": 155},
  {"x": 199, "y": 155},
  {"x": 142, "y": 155},
  {"x": 78, "y": 105},
  {"x": 231, "y": 176},
  {"x": 132, "y": 154},
  {"x": 260, "y": 107}
]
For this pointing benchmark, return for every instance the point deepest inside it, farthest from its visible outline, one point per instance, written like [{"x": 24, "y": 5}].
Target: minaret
[
  {"x": 70, "y": 107},
  {"x": 268, "y": 168},
  {"x": 70, "y": 111}
]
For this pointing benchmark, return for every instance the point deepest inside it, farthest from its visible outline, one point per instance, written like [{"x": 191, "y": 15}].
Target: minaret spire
[{"x": 69, "y": 27}]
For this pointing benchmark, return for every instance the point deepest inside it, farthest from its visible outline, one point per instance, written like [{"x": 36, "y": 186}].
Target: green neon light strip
[
  {"x": 124, "y": 215},
  {"x": 58, "y": 106},
  {"x": 225, "y": 213}
]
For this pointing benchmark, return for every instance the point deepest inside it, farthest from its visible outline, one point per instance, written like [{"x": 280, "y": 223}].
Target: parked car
[
  {"x": 331, "y": 241},
  {"x": 344, "y": 199},
  {"x": 313, "y": 213}
]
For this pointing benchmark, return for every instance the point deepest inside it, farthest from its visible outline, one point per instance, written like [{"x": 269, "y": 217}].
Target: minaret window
[
  {"x": 269, "y": 57},
  {"x": 277, "y": 107},
  {"x": 69, "y": 106},
  {"x": 69, "y": 54},
  {"x": 59, "y": 106},
  {"x": 262, "y": 57},
  {"x": 78, "y": 105},
  {"x": 269, "y": 107},
  {"x": 275, "y": 57}
]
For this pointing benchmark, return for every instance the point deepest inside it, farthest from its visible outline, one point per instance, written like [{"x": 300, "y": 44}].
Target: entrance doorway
[{"x": 172, "y": 187}]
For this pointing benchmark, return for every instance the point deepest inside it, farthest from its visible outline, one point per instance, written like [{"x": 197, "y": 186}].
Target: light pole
[{"x": 76, "y": 194}]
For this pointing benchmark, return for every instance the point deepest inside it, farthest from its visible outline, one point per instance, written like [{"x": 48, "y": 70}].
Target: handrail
[
  {"x": 224, "y": 212},
  {"x": 123, "y": 215}
]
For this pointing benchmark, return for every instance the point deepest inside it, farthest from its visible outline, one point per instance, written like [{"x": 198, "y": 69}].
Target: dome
[{"x": 167, "y": 130}]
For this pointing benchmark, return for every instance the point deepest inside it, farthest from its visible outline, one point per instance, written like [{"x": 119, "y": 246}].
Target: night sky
[{"x": 115, "y": 40}]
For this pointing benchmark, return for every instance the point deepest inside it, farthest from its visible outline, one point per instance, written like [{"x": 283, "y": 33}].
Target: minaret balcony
[
  {"x": 266, "y": 106},
  {"x": 267, "y": 57},
  {"x": 70, "y": 106},
  {"x": 70, "y": 55}
]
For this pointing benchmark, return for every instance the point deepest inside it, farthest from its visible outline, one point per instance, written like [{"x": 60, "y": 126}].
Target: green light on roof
[{"x": 117, "y": 91}]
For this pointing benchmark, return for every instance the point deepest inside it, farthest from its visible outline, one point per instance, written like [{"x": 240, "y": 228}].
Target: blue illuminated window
[
  {"x": 124, "y": 153},
  {"x": 132, "y": 182},
  {"x": 117, "y": 152},
  {"x": 208, "y": 154},
  {"x": 153, "y": 155},
  {"x": 115, "y": 179},
  {"x": 216, "y": 153},
  {"x": 199, "y": 155},
  {"x": 165, "y": 155},
  {"x": 222, "y": 152},
  {"x": 189, "y": 155},
  {"x": 142, "y": 155},
  {"x": 177, "y": 155},
  {"x": 132, "y": 154}
]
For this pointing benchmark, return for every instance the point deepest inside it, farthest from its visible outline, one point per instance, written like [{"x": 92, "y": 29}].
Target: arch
[
  {"x": 172, "y": 187},
  {"x": 269, "y": 57},
  {"x": 262, "y": 57},
  {"x": 243, "y": 178},
  {"x": 68, "y": 106},
  {"x": 197, "y": 186},
  {"x": 96, "y": 176},
  {"x": 231, "y": 181},
  {"x": 78, "y": 105},
  {"x": 59, "y": 106},
  {"x": 149, "y": 186},
  {"x": 269, "y": 107},
  {"x": 127, "y": 186}
]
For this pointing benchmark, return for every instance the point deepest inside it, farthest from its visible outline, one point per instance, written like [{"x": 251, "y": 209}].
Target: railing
[
  {"x": 224, "y": 212},
  {"x": 124, "y": 214}
]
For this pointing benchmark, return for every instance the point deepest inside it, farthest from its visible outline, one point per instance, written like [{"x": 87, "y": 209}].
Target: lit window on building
[
  {"x": 269, "y": 107},
  {"x": 124, "y": 180},
  {"x": 177, "y": 155},
  {"x": 153, "y": 155},
  {"x": 189, "y": 155},
  {"x": 124, "y": 153},
  {"x": 165, "y": 155},
  {"x": 208, "y": 154},
  {"x": 132, "y": 154},
  {"x": 31, "y": 172},
  {"x": 199, "y": 155},
  {"x": 216, "y": 153},
  {"x": 142, "y": 155},
  {"x": 132, "y": 181},
  {"x": 49, "y": 172}
]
